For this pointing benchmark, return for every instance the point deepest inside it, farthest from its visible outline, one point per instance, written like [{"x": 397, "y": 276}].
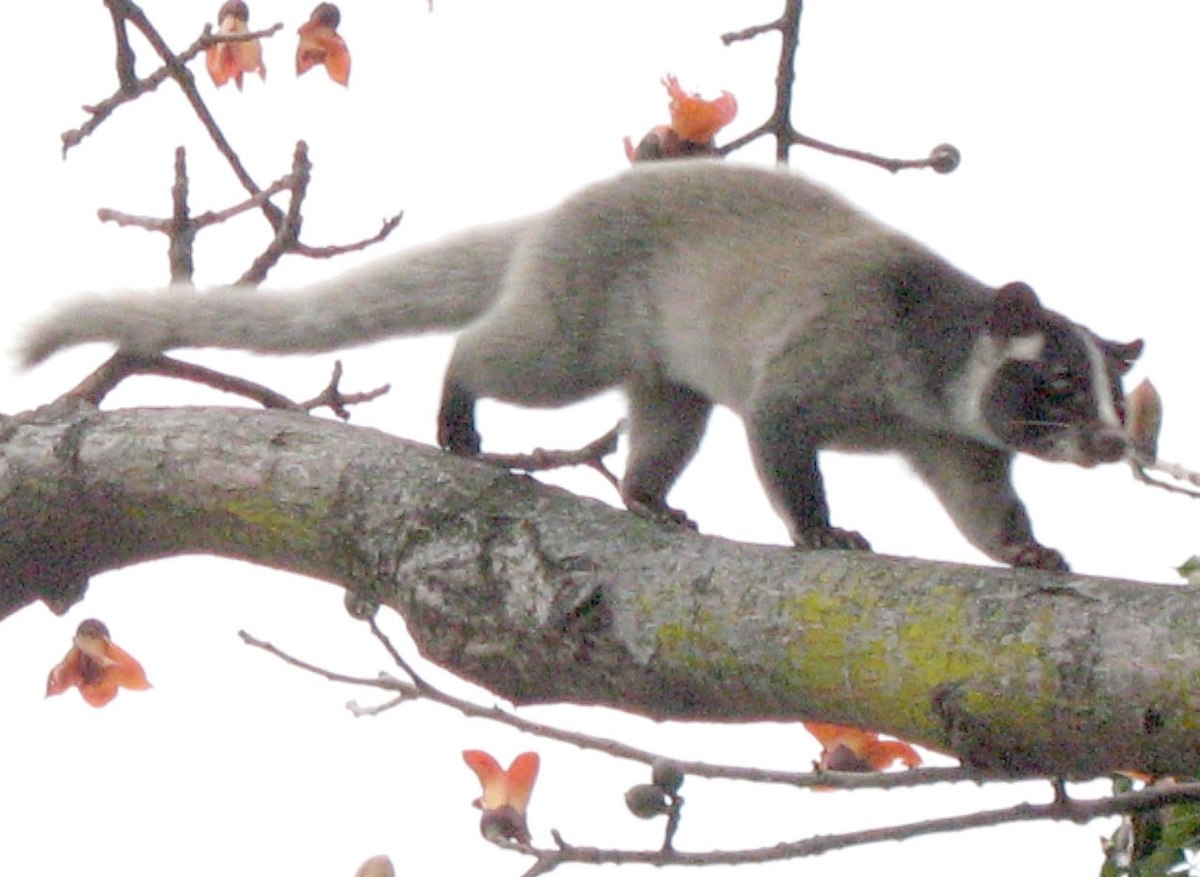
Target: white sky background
[{"x": 1076, "y": 123}]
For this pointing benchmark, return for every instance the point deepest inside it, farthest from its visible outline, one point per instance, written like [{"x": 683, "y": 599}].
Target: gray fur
[
  {"x": 427, "y": 289},
  {"x": 694, "y": 283}
]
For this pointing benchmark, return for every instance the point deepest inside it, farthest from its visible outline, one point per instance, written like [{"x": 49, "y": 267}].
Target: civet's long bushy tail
[{"x": 432, "y": 288}]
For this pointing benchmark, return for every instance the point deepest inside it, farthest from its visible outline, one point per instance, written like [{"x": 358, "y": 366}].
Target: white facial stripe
[
  {"x": 989, "y": 355},
  {"x": 986, "y": 357},
  {"x": 1026, "y": 348},
  {"x": 1102, "y": 385}
]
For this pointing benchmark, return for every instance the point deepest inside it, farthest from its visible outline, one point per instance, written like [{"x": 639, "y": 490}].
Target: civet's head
[{"x": 1049, "y": 387}]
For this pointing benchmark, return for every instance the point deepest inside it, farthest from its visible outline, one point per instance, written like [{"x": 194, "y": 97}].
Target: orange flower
[
  {"x": 853, "y": 749},
  {"x": 320, "y": 44},
  {"x": 696, "y": 119},
  {"x": 227, "y": 61},
  {"x": 96, "y": 666},
  {"x": 505, "y": 793},
  {"x": 694, "y": 124}
]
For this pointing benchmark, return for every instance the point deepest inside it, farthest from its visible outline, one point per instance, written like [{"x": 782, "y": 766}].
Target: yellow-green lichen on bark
[
  {"x": 277, "y": 522},
  {"x": 1002, "y": 676},
  {"x": 834, "y": 658},
  {"x": 696, "y": 643},
  {"x": 914, "y": 647}
]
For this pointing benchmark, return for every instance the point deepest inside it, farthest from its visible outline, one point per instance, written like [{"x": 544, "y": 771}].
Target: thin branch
[
  {"x": 183, "y": 229},
  {"x": 418, "y": 682},
  {"x": 174, "y": 67},
  {"x": 168, "y": 367},
  {"x": 1071, "y": 810},
  {"x": 287, "y": 232},
  {"x": 120, "y": 366},
  {"x": 358, "y": 711},
  {"x": 180, "y": 227},
  {"x": 103, "y": 379},
  {"x": 386, "y": 228},
  {"x": 182, "y": 235},
  {"x": 807, "y": 779},
  {"x": 131, "y": 88},
  {"x": 943, "y": 158},
  {"x": 201, "y": 220},
  {"x": 788, "y": 26},
  {"x": 271, "y": 649},
  {"x": 336, "y": 401},
  {"x": 99, "y": 112},
  {"x": 1143, "y": 468},
  {"x": 125, "y": 60},
  {"x": 755, "y": 30},
  {"x": 541, "y": 459},
  {"x": 674, "y": 815}
]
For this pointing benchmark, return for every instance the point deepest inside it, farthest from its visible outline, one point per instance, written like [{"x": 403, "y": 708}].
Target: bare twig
[
  {"x": 540, "y": 459},
  {"x": 101, "y": 382},
  {"x": 336, "y": 401},
  {"x": 174, "y": 67},
  {"x": 267, "y": 647},
  {"x": 808, "y": 779},
  {"x": 943, "y": 158},
  {"x": 130, "y": 87},
  {"x": 1074, "y": 810},
  {"x": 286, "y": 226},
  {"x": 386, "y": 228},
  {"x": 121, "y": 365},
  {"x": 126, "y": 77},
  {"x": 183, "y": 231},
  {"x": 421, "y": 685},
  {"x": 1142, "y": 469},
  {"x": 168, "y": 367},
  {"x": 201, "y": 220},
  {"x": 287, "y": 232},
  {"x": 778, "y": 124},
  {"x": 674, "y": 815}
]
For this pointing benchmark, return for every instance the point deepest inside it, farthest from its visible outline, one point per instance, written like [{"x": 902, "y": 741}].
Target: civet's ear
[
  {"x": 1124, "y": 355},
  {"x": 1016, "y": 311}
]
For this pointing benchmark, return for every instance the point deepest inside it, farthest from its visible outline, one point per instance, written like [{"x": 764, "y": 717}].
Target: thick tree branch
[{"x": 542, "y": 596}]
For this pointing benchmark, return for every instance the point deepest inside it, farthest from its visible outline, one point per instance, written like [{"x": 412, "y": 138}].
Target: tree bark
[{"x": 542, "y": 596}]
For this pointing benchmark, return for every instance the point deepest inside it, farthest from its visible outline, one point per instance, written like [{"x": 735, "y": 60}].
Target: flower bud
[
  {"x": 646, "y": 801},
  {"x": 666, "y": 775},
  {"x": 944, "y": 158}
]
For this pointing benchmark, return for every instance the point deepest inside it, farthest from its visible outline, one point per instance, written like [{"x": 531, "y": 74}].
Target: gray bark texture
[{"x": 541, "y": 596}]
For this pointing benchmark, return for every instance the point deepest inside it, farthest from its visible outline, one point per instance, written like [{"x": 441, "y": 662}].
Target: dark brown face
[{"x": 1062, "y": 398}]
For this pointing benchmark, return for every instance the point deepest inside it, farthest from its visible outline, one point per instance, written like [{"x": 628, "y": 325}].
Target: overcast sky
[{"x": 1076, "y": 124}]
